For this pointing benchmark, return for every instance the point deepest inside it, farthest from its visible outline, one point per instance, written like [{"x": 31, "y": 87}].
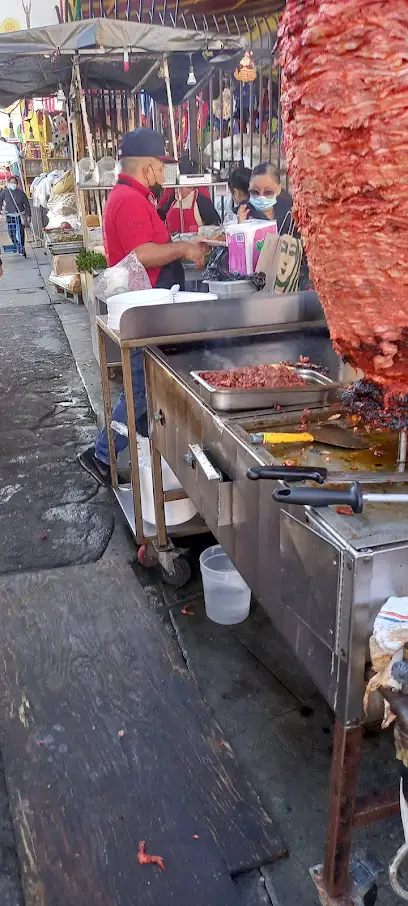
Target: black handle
[
  {"x": 288, "y": 473},
  {"x": 317, "y": 497}
]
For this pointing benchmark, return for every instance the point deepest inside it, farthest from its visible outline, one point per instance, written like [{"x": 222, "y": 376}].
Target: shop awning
[
  {"x": 8, "y": 153},
  {"x": 34, "y": 62}
]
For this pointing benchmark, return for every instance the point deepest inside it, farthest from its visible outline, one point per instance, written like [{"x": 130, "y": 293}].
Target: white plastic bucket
[
  {"x": 120, "y": 303},
  {"x": 177, "y": 511},
  {"x": 227, "y": 597}
]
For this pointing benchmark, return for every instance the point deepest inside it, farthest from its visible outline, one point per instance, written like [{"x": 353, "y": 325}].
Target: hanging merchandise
[
  {"x": 223, "y": 106},
  {"x": 203, "y": 110},
  {"x": 246, "y": 71},
  {"x": 184, "y": 127}
]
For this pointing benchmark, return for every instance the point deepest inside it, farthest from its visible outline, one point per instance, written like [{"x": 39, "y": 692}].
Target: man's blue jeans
[{"x": 119, "y": 413}]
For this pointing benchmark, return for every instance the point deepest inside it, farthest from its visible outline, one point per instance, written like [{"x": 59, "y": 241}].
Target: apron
[
  {"x": 191, "y": 216},
  {"x": 170, "y": 275}
]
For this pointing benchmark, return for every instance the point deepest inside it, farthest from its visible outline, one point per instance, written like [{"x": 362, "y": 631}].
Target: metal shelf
[{"x": 124, "y": 496}]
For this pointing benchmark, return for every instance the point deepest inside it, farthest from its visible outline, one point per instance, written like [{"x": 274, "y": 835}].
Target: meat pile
[
  {"x": 267, "y": 376},
  {"x": 345, "y": 117}
]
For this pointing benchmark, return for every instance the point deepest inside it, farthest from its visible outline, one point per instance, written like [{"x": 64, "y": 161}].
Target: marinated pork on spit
[{"x": 345, "y": 117}]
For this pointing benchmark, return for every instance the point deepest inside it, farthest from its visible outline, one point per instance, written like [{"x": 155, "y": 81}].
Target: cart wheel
[
  {"x": 146, "y": 556},
  {"x": 371, "y": 896},
  {"x": 181, "y": 574}
]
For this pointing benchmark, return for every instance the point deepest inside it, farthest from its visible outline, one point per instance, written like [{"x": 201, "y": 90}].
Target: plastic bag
[
  {"x": 63, "y": 204},
  {"x": 127, "y": 276},
  {"x": 55, "y": 221},
  {"x": 65, "y": 184}
]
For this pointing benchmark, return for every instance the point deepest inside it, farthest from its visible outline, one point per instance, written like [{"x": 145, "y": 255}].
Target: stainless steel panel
[
  {"x": 156, "y": 323},
  {"x": 308, "y": 570},
  {"x": 378, "y": 574},
  {"x": 319, "y": 391},
  {"x": 230, "y": 508},
  {"x": 310, "y": 577}
]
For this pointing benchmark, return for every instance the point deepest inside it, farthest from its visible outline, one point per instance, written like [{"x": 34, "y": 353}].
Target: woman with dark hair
[
  {"x": 268, "y": 200},
  {"x": 186, "y": 209}
]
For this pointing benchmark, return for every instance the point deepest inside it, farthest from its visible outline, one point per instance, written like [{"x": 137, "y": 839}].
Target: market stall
[
  {"x": 329, "y": 571},
  {"x": 140, "y": 78}
]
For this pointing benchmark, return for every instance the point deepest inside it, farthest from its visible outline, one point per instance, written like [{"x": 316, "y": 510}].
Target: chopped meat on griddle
[
  {"x": 267, "y": 376},
  {"x": 345, "y": 116}
]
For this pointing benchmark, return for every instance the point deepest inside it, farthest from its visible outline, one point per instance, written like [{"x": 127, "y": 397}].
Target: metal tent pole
[{"x": 166, "y": 77}]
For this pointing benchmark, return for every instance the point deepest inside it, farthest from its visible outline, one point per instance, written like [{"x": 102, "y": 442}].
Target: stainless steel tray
[
  {"x": 321, "y": 389},
  {"x": 65, "y": 248}
]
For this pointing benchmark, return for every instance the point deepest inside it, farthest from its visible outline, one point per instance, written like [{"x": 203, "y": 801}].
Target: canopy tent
[
  {"x": 8, "y": 153},
  {"x": 34, "y": 62}
]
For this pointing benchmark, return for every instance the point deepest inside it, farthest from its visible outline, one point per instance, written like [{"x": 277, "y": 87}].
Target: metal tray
[
  {"x": 65, "y": 248},
  {"x": 321, "y": 388}
]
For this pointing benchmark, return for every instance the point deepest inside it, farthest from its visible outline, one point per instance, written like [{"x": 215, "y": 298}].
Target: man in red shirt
[{"x": 131, "y": 223}]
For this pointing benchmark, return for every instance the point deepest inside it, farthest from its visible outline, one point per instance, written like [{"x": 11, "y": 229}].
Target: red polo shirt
[{"x": 130, "y": 219}]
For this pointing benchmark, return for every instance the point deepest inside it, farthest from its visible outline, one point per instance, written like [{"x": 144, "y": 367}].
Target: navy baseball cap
[{"x": 144, "y": 143}]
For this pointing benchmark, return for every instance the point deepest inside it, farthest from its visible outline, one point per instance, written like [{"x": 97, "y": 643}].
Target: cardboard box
[{"x": 64, "y": 264}]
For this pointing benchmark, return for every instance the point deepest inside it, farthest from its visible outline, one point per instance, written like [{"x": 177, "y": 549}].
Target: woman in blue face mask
[{"x": 267, "y": 199}]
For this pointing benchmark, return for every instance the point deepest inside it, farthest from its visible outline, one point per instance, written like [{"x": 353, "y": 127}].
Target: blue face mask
[
  {"x": 12, "y": 186},
  {"x": 261, "y": 203}
]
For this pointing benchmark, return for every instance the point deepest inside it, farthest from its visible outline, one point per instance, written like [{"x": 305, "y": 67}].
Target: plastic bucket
[{"x": 227, "y": 597}]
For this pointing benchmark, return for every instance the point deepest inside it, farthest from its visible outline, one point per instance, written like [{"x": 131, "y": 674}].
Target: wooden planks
[{"x": 106, "y": 741}]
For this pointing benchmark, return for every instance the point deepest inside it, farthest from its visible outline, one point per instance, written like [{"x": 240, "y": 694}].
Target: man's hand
[
  {"x": 398, "y": 702},
  {"x": 243, "y": 213},
  {"x": 194, "y": 251}
]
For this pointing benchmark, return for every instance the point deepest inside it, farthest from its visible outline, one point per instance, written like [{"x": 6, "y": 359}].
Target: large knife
[{"x": 323, "y": 476}]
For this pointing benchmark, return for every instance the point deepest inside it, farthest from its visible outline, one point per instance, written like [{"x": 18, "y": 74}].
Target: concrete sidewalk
[{"x": 278, "y": 727}]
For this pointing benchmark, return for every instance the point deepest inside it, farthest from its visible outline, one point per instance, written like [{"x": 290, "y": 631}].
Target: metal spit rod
[
  {"x": 402, "y": 451},
  {"x": 320, "y": 497}
]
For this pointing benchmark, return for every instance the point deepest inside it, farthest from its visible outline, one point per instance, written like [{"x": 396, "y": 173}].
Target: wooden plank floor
[{"x": 107, "y": 741}]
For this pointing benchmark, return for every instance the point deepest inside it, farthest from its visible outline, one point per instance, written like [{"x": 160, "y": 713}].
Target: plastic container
[
  {"x": 227, "y": 597},
  {"x": 231, "y": 287},
  {"x": 177, "y": 511},
  {"x": 87, "y": 177},
  {"x": 123, "y": 301},
  {"x": 245, "y": 241},
  {"x": 107, "y": 171}
]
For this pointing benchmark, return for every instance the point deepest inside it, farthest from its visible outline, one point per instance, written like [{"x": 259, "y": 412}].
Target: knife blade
[{"x": 331, "y": 435}]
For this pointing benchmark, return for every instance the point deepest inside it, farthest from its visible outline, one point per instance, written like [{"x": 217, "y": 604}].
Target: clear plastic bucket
[{"x": 227, "y": 597}]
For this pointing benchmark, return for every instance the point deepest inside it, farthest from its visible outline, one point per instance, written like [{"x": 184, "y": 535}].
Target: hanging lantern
[
  {"x": 11, "y": 134},
  {"x": 246, "y": 71},
  {"x": 30, "y": 133}
]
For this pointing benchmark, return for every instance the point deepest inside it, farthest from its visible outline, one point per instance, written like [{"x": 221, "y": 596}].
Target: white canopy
[{"x": 8, "y": 153}]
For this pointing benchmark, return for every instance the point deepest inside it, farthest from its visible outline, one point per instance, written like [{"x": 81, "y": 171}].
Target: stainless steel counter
[{"x": 320, "y": 575}]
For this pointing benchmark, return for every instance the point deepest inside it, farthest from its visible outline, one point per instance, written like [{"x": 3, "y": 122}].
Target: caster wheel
[
  {"x": 371, "y": 896},
  {"x": 181, "y": 574},
  {"x": 146, "y": 557}
]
